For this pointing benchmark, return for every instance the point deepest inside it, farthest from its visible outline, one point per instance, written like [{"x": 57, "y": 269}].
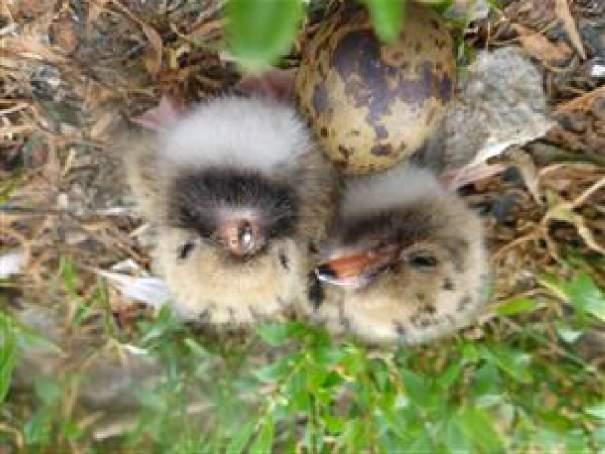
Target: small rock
[
  {"x": 596, "y": 68},
  {"x": 502, "y": 103},
  {"x": 468, "y": 10}
]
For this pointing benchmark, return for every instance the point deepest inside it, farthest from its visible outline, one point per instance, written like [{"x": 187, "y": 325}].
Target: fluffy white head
[
  {"x": 248, "y": 132},
  {"x": 394, "y": 188}
]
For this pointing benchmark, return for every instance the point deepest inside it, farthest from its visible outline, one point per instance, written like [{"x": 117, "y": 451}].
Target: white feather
[
  {"x": 149, "y": 290},
  {"x": 392, "y": 189},
  {"x": 248, "y": 132},
  {"x": 12, "y": 263}
]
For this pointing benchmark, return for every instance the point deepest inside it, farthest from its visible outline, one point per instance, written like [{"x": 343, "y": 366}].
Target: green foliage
[
  {"x": 517, "y": 306},
  {"x": 387, "y": 17},
  {"x": 581, "y": 292},
  {"x": 13, "y": 338},
  {"x": 261, "y": 31},
  {"x": 292, "y": 388},
  {"x": 8, "y": 353}
]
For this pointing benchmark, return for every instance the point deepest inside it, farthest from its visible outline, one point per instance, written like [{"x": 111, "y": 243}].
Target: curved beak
[{"x": 356, "y": 269}]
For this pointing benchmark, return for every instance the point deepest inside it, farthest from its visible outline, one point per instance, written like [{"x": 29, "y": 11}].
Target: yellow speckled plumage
[
  {"x": 238, "y": 134},
  {"x": 408, "y": 303}
]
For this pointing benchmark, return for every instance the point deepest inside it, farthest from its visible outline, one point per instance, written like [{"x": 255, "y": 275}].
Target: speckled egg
[{"x": 373, "y": 104}]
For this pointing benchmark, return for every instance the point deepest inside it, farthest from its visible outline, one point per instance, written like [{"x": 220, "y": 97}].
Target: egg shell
[{"x": 373, "y": 104}]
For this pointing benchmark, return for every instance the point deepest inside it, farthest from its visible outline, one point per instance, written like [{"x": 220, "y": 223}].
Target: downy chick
[
  {"x": 405, "y": 263},
  {"x": 239, "y": 196}
]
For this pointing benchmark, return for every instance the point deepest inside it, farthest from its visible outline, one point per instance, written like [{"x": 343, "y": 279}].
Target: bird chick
[
  {"x": 239, "y": 195},
  {"x": 405, "y": 263}
]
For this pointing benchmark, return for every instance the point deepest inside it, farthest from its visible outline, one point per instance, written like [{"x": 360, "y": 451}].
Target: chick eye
[
  {"x": 422, "y": 261},
  {"x": 186, "y": 249}
]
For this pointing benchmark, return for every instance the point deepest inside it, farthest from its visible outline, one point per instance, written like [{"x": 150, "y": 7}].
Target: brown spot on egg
[
  {"x": 357, "y": 56},
  {"x": 381, "y": 150},
  {"x": 446, "y": 88},
  {"x": 381, "y": 132}
]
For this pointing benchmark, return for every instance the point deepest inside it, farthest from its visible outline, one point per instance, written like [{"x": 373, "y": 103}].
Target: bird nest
[{"x": 71, "y": 71}]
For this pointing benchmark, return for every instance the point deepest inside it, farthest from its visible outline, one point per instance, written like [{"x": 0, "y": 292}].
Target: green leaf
[
  {"x": 37, "y": 429},
  {"x": 8, "y": 354},
  {"x": 70, "y": 276},
  {"x": 333, "y": 424},
  {"x": 514, "y": 363},
  {"x": 354, "y": 361},
  {"x": 421, "y": 443},
  {"x": 260, "y": 31},
  {"x": 274, "y": 372},
  {"x": 240, "y": 440},
  {"x": 517, "y": 306},
  {"x": 455, "y": 439},
  {"x": 585, "y": 296},
  {"x": 477, "y": 426},
  {"x": 353, "y": 435},
  {"x": 332, "y": 380},
  {"x": 387, "y": 17},
  {"x": 274, "y": 334},
  {"x": 576, "y": 441},
  {"x": 450, "y": 375},
  {"x": 264, "y": 440},
  {"x": 416, "y": 387},
  {"x": 486, "y": 380},
  {"x": 164, "y": 324},
  {"x": 196, "y": 349},
  {"x": 470, "y": 353},
  {"x": 581, "y": 292},
  {"x": 47, "y": 390},
  {"x": 328, "y": 355},
  {"x": 598, "y": 410}
]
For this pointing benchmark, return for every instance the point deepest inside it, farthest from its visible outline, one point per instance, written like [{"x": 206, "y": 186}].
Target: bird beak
[
  {"x": 356, "y": 269},
  {"x": 241, "y": 237}
]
